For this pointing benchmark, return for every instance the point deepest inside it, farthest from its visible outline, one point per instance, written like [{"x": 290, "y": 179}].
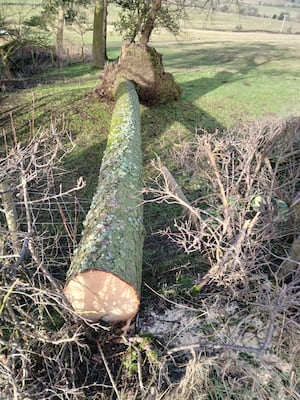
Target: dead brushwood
[
  {"x": 246, "y": 225},
  {"x": 249, "y": 178},
  {"x": 245, "y": 317},
  {"x": 41, "y": 342}
]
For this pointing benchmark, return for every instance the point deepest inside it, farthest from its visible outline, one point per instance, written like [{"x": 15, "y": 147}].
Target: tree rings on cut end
[{"x": 96, "y": 294}]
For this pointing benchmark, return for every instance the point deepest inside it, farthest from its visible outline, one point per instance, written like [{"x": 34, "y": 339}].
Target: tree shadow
[
  {"x": 158, "y": 119},
  {"x": 243, "y": 57},
  {"x": 235, "y": 62}
]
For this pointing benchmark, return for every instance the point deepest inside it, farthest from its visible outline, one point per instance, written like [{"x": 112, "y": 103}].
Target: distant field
[
  {"x": 197, "y": 21},
  {"x": 15, "y": 14},
  {"x": 236, "y": 75},
  {"x": 230, "y": 21},
  {"x": 228, "y": 75},
  {"x": 192, "y": 28}
]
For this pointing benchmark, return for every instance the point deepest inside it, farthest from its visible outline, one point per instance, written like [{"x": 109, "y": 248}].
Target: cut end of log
[{"x": 99, "y": 295}]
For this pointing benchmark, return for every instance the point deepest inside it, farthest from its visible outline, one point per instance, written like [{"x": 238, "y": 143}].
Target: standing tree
[
  {"x": 99, "y": 33},
  {"x": 58, "y": 8},
  {"x": 60, "y": 28},
  {"x": 150, "y": 21},
  {"x": 62, "y": 9},
  {"x": 81, "y": 26},
  {"x": 138, "y": 18}
]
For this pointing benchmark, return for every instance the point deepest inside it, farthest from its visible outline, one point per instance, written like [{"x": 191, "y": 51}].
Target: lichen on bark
[{"x": 112, "y": 238}]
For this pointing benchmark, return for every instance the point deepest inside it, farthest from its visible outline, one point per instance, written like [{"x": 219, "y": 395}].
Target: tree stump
[{"x": 142, "y": 65}]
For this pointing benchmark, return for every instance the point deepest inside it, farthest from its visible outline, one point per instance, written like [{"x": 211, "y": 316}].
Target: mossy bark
[
  {"x": 112, "y": 239},
  {"x": 99, "y": 32}
]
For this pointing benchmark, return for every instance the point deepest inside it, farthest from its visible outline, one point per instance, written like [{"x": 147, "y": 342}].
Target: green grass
[
  {"x": 227, "y": 77},
  {"x": 230, "y": 21},
  {"x": 233, "y": 76},
  {"x": 65, "y": 95}
]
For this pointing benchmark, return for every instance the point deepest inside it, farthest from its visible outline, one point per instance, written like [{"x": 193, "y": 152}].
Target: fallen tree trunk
[{"x": 104, "y": 278}]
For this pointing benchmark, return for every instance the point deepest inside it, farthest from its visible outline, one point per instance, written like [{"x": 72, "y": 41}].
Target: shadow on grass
[
  {"x": 85, "y": 162},
  {"x": 73, "y": 114},
  {"x": 165, "y": 124},
  {"x": 243, "y": 57},
  {"x": 165, "y": 118},
  {"x": 236, "y": 61}
]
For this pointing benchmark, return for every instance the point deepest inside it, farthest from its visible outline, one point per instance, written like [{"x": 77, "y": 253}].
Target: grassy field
[
  {"x": 230, "y": 79},
  {"x": 224, "y": 68},
  {"x": 234, "y": 21},
  {"x": 227, "y": 78},
  {"x": 198, "y": 20}
]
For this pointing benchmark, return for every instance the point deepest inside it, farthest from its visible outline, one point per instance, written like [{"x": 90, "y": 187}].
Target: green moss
[
  {"x": 113, "y": 234},
  {"x": 130, "y": 361}
]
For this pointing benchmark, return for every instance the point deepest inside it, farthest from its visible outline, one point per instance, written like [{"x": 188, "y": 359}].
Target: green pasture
[
  {"x": 228, "y": 78},
  {"x": 199, "y": 20},
  {"x": 237, "y": 76},
  {"x": 235, "y": 21},
  {"x": 16, "y": 14}
]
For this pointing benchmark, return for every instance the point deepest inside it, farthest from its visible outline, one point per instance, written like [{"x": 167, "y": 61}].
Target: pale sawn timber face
[
  {"x": 112, "y": 239},
  {"x": 101, "y": 295}
]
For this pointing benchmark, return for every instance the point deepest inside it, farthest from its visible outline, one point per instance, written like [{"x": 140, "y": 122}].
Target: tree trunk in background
[
  {"x": 105, "y": 29},
  {"x": 149, "y": 24},
  {"x": 104, "y": 278},
  {"x": 99, "y": 32},
  {"x": 60, "y": 31}
]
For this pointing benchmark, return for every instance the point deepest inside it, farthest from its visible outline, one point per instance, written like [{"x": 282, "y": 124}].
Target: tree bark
[
  {"x": 60, "y": 31},
  {"x": 105, "y": 30},
  {"x": 104, "y": 278},
  {"x": 150, "y": 21},
  {"x": 99, "y": 32},
  {"x": 11, "y": 217}
]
